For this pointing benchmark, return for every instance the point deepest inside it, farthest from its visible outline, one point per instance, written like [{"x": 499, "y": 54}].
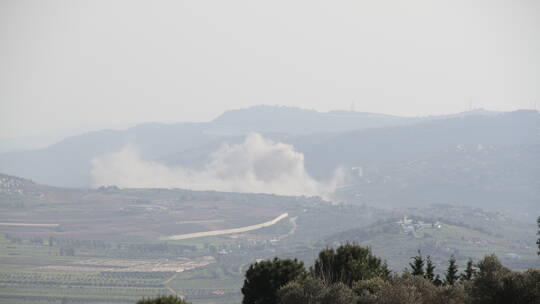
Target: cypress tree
[
  {"x": 469, "y": 272},
  {"x": 417, "y": 265},
  {"x": 451, "y": 272},
  {"x": 430, "y": 269}
]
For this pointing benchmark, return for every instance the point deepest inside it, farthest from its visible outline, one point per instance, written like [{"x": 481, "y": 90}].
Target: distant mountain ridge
[
  {"x": 337, "y": 135},
  {"x": 413, "y": 142},
  {"x": 302, "y": 121}
]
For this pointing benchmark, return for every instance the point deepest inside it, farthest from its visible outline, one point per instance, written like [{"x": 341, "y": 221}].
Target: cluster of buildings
[{"x": 413, "y": 227}]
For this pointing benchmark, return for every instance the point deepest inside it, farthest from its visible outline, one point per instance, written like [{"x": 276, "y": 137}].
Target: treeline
[
  {"x": 71, "y": 247},
  {"x": 352, "y": 274}
]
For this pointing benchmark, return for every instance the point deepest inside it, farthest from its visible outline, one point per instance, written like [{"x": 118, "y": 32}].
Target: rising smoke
[{"x": 257, "y": 165}]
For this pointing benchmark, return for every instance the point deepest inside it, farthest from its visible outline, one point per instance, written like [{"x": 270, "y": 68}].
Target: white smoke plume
[{"x": 258, "y": 165}]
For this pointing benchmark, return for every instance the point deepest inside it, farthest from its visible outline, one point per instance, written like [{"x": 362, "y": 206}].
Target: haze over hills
[
  {"x": 422, "y": 139},
  {"x": 397, "y": 155},
  {"x": 269, "y": 152},
  {"x": 43, "y": 140},
  {"x": 292, "y": 120},
  {"x": 461, "y": 186}
]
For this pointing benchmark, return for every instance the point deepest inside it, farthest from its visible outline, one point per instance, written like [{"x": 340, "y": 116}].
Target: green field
[{"x": 106, "y": 245}]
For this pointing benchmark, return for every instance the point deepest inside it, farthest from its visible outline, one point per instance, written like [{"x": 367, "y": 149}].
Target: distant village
[{"x": 413, "y": 227}]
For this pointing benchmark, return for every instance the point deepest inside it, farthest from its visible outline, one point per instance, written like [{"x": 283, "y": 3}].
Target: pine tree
[
  {"x": 417, "y": 265},
  {"x": 469, "y": 272},
  {"x": 430, "y": 269},
  {"x": 451, "y": 272}
]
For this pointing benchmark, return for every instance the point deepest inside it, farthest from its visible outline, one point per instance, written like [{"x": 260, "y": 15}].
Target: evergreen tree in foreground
[
  {"x": 469, "y": 272},
  {"x": 430, "y": 269},
  {"x": 451, "y": 275},
  {"x": 417, "y": 265}
]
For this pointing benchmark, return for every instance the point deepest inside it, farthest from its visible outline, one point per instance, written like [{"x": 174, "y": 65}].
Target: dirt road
[{"x": 226, "y": 231}]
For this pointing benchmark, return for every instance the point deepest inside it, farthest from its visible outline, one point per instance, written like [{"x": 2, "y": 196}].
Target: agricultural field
[
  {"x": 113, "y": 245},
  {"x": 38, "y": 273}
]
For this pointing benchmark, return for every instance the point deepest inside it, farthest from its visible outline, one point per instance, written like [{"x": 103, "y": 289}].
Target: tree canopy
[
  {"x": 264, "y": 279},
  {"x": 349, "y": 263}
]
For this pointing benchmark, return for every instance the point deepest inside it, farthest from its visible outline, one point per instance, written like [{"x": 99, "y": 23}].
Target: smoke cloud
[{"x": 257, "y": 165}]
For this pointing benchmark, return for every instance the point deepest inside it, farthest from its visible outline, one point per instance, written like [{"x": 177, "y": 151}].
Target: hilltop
[{"x": 68, "y": 162}]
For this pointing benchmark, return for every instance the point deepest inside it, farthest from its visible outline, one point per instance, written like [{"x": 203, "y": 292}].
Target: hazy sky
[{"x": 69, "y": 63}]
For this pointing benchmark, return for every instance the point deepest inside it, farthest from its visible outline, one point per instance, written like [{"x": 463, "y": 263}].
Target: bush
[
  {"x": 314, "y": 291},
  {"x": 307, "y": 291},
  {"x": 408, "y": 289}
]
